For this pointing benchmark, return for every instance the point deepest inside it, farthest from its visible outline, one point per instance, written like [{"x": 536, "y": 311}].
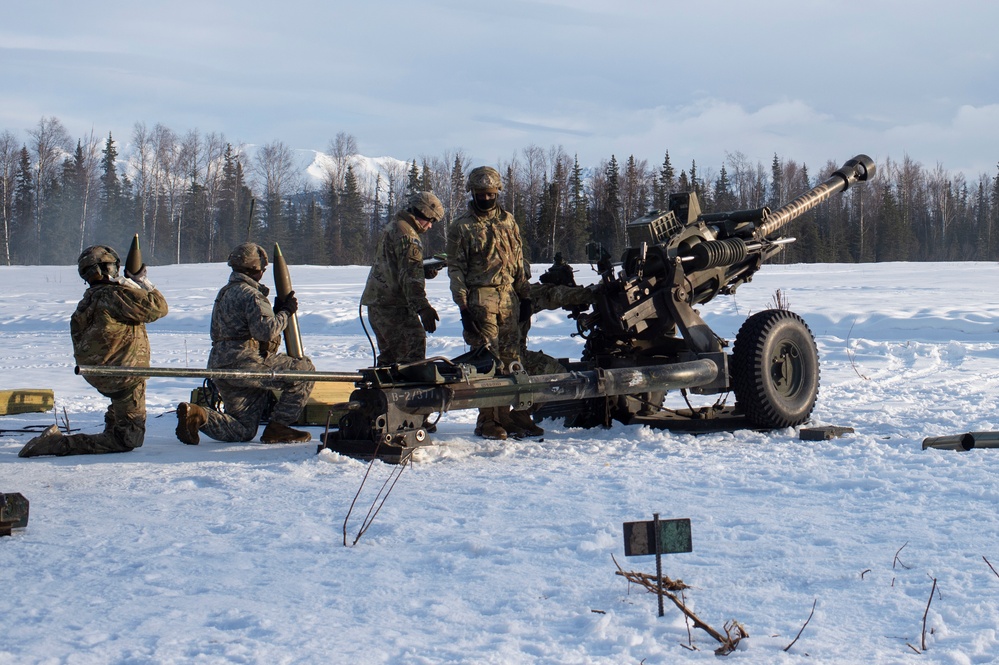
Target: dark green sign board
[{"x": 674, "y": 537}]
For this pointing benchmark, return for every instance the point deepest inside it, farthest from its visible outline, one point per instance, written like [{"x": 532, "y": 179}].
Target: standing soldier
[
  {"x": 108, "y": 328},
  {"x": 246, "y": 334},
  {"x": 489, "y": 285},
  {"x": 395, "y": 293}
]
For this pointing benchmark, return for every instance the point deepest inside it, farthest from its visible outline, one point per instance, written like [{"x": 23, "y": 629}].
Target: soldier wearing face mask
[
  {"x": 395, "y": 293},
  {"x": 485, "y": 258}
]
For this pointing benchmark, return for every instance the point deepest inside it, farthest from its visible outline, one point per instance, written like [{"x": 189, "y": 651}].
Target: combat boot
[
  {"x": 502, "y": 416},
  {"x": 488, "y": 427},
  {"x": 278, "y": 433},
  {"x": 190, "y": 419},
  {"x": 522, "y": 420},
  {"x": 49, "y": 442}
]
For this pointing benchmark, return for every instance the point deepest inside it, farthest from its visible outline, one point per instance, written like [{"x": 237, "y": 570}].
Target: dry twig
[
  {"x": 927, "y": 612},
  {"x": 734, "y": 631},
  {"x": 897, "y": 560},
  {"x": 913, "y": 648},
  {"x": 788, "y": 647},
  {"x": 779, "y": 300},
  {"x": 990, "y": 566},
  {"x": 686, "y": 621},
  {"x": 65, "y": 420},
  {"x": 849, "y": 353}
]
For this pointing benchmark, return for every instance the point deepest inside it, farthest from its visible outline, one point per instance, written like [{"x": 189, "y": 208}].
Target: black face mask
[{"x": 482, "y": 203}]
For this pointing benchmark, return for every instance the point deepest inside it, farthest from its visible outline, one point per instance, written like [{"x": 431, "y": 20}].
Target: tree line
[{"x": 192, "y": 197}]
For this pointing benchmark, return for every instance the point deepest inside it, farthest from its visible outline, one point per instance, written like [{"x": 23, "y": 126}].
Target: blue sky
[{"x": 810, "y": 81}]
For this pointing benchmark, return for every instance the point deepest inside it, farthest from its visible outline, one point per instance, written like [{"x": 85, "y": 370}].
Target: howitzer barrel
[
  {"x": 522, "y": 392},
  {"x": 184, "y": 372},
  {"x": 858, "y": 169}
]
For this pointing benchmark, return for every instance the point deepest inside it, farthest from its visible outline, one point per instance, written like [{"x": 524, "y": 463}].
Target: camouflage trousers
[
  {"x": 124, "y": 426},
  {"x": 495, "y": 312},
  {"x": 399, "y": 333},
  {"x": 244, "y": 402}
]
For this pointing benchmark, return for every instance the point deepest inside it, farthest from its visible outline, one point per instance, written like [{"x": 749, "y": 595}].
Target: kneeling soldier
[
  {"x": 246, "y": 334},
  {"x": 108, "y": 328}
]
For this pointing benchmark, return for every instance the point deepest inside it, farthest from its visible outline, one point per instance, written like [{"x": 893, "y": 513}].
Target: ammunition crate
[
  {"x": 324, "y": 395},
  {"x": 26, "y": 401}
]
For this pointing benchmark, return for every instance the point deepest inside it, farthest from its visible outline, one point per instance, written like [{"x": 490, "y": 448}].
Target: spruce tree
[
  {"x": 724, "y": 198},
  {"x": 110, "y": 197},
  {"x": 355, "y": 223},
  {"x": 776, "y": 184},
  {"x": 22, "y": 236},
  {"x": 579, "y": 224},
  {"x": 455, "y": 206},
  {"x": 683, "y": 183},
  {"x": 664, "y": 184},
  {"x": 611, "y": 216},
  {"x": 413, "y": 184}
]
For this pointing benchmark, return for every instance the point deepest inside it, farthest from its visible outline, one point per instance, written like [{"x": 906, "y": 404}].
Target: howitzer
[
  {"x": 644, "y": 315},
  {"x": 643, "y": 325}
]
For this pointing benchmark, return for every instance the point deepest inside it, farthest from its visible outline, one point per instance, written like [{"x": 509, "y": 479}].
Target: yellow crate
[
  {"x": 324, "y": 395},
  {"x": 29, "y": 400}
]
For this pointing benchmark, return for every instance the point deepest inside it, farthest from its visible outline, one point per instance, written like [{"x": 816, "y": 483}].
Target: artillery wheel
[{"x": 775, "y": 369}]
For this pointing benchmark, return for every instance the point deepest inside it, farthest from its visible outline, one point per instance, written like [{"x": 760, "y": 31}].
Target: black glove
[
  {"x": 429, "y": 272},
  {"x": 139, "y": 274},
  {"x": 287, "y": 304},
  {"x": 526, "y": 310},
  {"x": 468, "y": 321},
  {"x": 429, "y": 318}
]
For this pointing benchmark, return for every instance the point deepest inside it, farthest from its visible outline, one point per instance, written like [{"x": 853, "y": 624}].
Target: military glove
[
  {"x": 429, "y": 318},
  {"x": 138, "y": 275},
  {"x": 526, "y": 310},
  {"x": 287, "y": 304},
  {"x": 468, "y": 321}
]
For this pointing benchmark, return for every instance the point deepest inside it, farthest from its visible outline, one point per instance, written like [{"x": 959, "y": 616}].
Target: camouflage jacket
[
  {"x": 396, "y": 278},
  {"x": 485, "y": 250},
  {"x": 554, "y": 296},
  {"x": 108, "y": 328},
  {"x": 244, "y": 325}
]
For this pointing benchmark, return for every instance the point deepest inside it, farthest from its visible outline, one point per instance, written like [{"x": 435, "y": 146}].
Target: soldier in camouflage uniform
[
  {"x": 395, "y": 293},
  {"x": 246, "y": 334},
  {"x": 108, "y": 328},
  {"x": 556, "y": 289},
  {"x": 488, "y": 283}
]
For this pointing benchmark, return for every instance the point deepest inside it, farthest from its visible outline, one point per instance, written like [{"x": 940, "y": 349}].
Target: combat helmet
[
  {"x": 98, "y": 262},
  {"x": 427, "y": 205},
  {"x": 484, "y": 178},
  {"x": 248, "y": 256}
]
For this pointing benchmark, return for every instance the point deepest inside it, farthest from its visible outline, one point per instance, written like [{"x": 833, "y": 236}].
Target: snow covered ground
[{"x": 501, "y": 552}]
